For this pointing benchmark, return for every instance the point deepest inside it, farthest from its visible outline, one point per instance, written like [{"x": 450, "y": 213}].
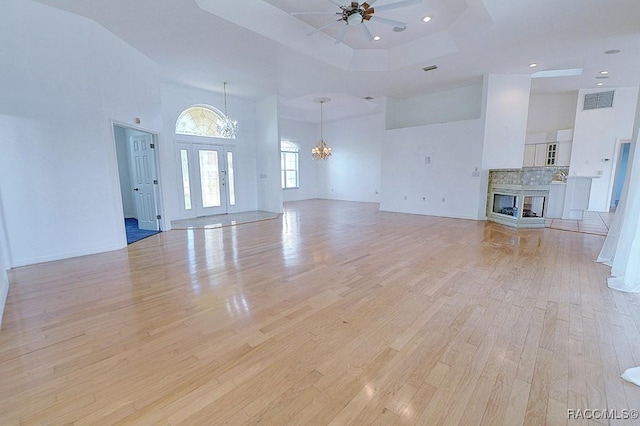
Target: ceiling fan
[{"x": 355, "y": 14}]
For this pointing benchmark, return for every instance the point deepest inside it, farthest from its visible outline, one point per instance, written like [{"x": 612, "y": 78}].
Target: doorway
[
  {"x": 620, "y": 173},
  {"x": 138, "y": 181},
  {"x": 207, "y": 179}
]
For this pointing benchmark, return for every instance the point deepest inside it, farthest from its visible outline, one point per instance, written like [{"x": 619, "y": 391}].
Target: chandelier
[
  {"x": 322, "y": 150},
  {"x": 227, "y": 127}
]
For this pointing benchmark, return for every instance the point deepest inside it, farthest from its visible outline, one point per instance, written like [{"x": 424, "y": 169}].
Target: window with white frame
[{"x": 289, "y": 165}]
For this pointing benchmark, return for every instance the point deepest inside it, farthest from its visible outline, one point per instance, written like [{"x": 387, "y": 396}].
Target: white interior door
[
  {"x": 208, "y": 179},
  {"x": 142, "y": 167}
]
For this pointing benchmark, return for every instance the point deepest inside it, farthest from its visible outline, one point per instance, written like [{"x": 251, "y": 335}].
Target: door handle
[{"x": 135, "y": 189}]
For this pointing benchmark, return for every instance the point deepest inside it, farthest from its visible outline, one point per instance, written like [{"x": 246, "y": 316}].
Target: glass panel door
[
  {"x": 207, "y": 180},
  {"x": 211, "y": 180}
]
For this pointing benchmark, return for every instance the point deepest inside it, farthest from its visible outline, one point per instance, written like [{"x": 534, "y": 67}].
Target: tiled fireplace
[{"x": 518, "y": 197}]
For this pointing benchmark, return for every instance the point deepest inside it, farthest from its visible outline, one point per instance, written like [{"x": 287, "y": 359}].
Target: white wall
[
  {"x": 5, "y": 261},
  {"x": 551, "y": 112},
  {"x": 455, "y": 151},
  {"x": 268, "y": 161},
  {"x": 505, "y": 110},
  {"x": 306, "y": 136},
  {"x": 175, "y": 99},
  {"x": 594, "y": 139},
  {"x": 66, "y": 79},
  {"x": 353, "y": 171},
  {"x": 456, "y": 104}
]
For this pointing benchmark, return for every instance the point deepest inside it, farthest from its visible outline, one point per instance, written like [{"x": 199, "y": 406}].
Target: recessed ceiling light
[
  {"x": 605, "y": 72},
  {"x": 376, "y": 38},
  {"x": 599, "y": 83},
  {"x": 612, "y": 51},
  {"x": 602, "y": 77},
  {"x": 426, "y": 19},
  {"x": 533, "y": 65}
]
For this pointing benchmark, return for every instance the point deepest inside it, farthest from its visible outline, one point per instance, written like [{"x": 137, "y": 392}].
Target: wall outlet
[{"x": 475, "y": 174}]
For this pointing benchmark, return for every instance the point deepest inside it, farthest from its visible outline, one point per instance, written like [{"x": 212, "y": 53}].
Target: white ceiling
[{"x": 261, "y": 49}]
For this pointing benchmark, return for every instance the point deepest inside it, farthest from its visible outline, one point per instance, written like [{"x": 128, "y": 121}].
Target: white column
[{"x": 622, "y": 246}]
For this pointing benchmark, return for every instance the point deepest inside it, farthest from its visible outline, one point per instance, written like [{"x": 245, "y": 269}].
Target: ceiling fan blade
[
  {"x": 342, "y": 34},
  {"x": 396, "y": 5},
  {"x": 370, "y": 2},
  {"x": 366, "y": 32},
  {"x": 387, "y": 21},
  {"x": 314, "y": 13},
  {"x": 324, "y": 27}
]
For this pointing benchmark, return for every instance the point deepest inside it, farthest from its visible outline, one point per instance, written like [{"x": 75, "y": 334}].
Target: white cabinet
[
  {"x": 547, "y": 154},
  {"x": 535, "y": 155},
  {"x": 529, "y": 155},
  {"x": 540, "y": 158},
  {"x": 564, "y": 154},
  {"x": 555, "y": 205},
  {"x": 576, "y": 199}
]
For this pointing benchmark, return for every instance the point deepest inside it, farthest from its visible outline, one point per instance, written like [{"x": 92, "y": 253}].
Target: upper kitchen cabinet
[{"x": 548, "y": 149}]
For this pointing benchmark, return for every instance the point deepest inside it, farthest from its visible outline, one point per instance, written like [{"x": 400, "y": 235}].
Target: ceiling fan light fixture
[
  {"x": 356, "y": 14},
  {"x": 376, "y": 38},
  {"x": 426, "y": 19},
  {"x": 354, "y": 19}
]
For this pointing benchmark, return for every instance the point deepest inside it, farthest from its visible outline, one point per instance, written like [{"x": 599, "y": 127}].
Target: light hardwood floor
[{"x": 335, "y": 313}]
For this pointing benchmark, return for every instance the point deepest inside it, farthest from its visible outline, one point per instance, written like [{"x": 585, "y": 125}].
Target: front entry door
[
  {"x": 142, "y": 166},
  {"x": 207, "y": 180},
  {"x": 211, "y": 180}
]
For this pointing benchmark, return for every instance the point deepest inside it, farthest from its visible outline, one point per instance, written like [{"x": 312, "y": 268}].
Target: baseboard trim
[
  {"x": 61, "y": 256},
  {"x": 4, "y": 292}
]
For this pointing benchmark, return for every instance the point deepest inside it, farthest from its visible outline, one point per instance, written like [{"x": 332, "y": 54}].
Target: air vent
[
  {"x": 430, "y": 68},
  {"x": 598, "y": 100}
]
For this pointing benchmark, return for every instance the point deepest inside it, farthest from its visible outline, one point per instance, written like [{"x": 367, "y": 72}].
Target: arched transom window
[{"x": 200, "y": 120}]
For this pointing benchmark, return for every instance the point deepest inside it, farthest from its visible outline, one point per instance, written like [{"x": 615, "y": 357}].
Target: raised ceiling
[{"x": 261, "y": 49}]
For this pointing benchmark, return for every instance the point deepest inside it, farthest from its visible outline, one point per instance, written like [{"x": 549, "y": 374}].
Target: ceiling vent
[
  {"x": 430, "y": 68},
  {"x": 598, "y": 100}
]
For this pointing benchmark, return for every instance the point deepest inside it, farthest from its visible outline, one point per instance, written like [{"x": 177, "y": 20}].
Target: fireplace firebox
[{"x": 517, "y": 199}]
